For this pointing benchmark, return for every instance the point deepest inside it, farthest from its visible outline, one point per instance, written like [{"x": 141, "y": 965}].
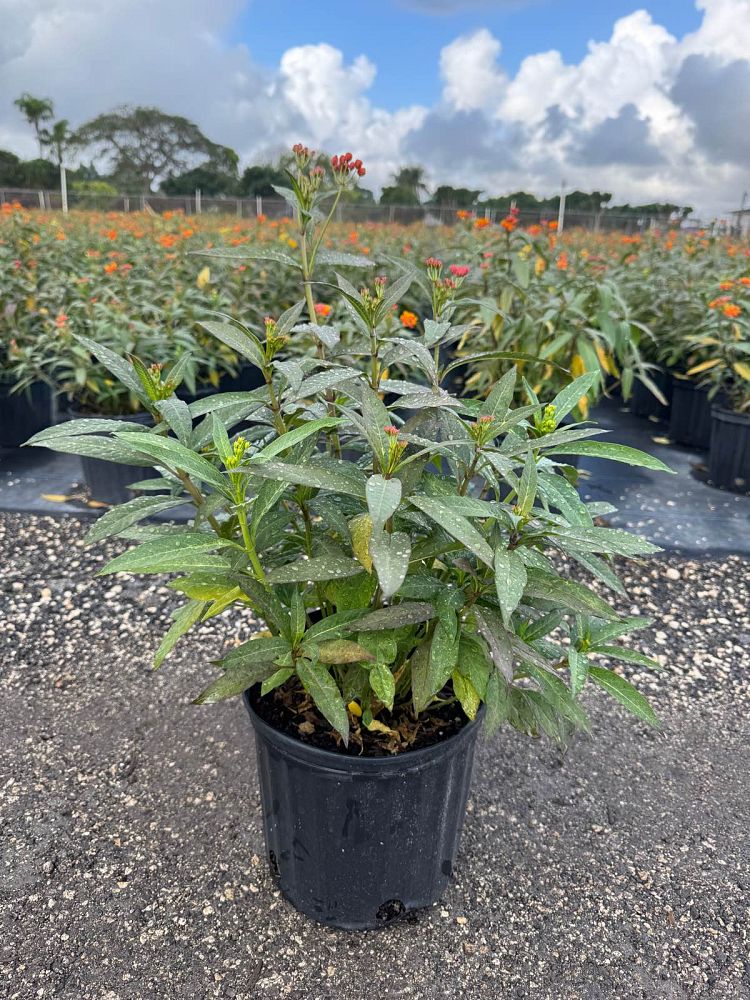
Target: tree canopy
[{"x": 143, "y": 145}]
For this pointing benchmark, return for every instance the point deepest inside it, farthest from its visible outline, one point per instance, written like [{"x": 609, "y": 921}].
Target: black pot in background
[
  {"x": 356, "y": 842},
  {"x": 644, "y": 403},
  {"x": 108, "y": 481},
  {"x": 23, "y": 414},
  {"x": 729, "y": 458},
  {"x": 690, "y": 416}
]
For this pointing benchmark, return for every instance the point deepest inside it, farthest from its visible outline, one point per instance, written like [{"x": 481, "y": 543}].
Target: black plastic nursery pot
[
  {"x": 23, "y": 414},
  {"x": 108, "y": 482},
  {"x": 357, "y": 842},
  {"x": 729, "y": 458},
  {"x": 644, "y": 403},
  {"x": 690, "y": 416}
]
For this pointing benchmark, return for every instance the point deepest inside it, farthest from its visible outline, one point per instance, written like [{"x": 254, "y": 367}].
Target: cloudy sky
[{"x": 650, "y": 102}]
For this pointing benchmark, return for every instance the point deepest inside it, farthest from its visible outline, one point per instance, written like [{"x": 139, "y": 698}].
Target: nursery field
[
  {"x": 381, "y": 484},
  {"x": 623, "y": 306}
]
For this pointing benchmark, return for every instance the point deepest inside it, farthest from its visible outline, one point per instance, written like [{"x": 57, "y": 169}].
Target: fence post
[
  {"x": 143, "y": 202},
  {"x": 238, "y": 208},
  {"x": 198, "y": 201},
  {"x": 64, "y": 189},
  {"x": 561, "y": 210},
  {"x": 126, "y": 203},
  {"x": 258, "y": 205},
  {"x": 41, "y": 199}
]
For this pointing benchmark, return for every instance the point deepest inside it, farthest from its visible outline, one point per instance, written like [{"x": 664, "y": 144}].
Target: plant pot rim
[
  {"x": 332, "y": 761},
  {"x": 730, "y": 416}
]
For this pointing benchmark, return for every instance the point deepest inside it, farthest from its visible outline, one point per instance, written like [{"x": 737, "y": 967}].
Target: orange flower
[
  {"x": 718, "y": 302},
  {"x": 60, "y": 320},
  {"x": 408, "y": 319},
  {"x": 731, "y": 310},
  {"x": 481, "y": 223},
  {"x": 463, "y": 214},
  {"x": 322, "y": 309},
  {"x": 111, "y": 234},
  {"x": 111, "y": 267},
  {"x": 744, "y": 281},
  {"x": 726, "y": 285},
  {"x": 552, "y": 226},
  {"x": 509, "y": 223},
  {"x": 562, "y": 262}
]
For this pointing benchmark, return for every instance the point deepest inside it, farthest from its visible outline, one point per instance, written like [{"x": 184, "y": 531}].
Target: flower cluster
[{"x": 344, "y": 166}]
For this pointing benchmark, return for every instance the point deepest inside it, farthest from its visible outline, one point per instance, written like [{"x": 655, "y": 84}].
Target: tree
[
  {"x": 450, "y": 197},
  {"x": 10, "y": 169},
  {"x": 411, "y": 179},
  {"x": 57, "y": 139},
  {"x": 259, "y": 181},
  {"x": 210, "y": 180},
  {"x": 36, "y": 110},
  {"x": 143, "y": 145}
]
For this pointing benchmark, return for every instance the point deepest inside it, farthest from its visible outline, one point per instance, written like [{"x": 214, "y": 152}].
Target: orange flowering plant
[
  {"x": 720, "y": 350},
  {"x": 398, "y": 544}
]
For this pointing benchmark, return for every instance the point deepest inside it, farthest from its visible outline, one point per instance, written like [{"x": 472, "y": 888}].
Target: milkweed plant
[{"x": 403, "y": 548}]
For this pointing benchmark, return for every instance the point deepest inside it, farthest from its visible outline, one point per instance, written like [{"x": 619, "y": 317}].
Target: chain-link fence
[{"x": 354, "y": 212}]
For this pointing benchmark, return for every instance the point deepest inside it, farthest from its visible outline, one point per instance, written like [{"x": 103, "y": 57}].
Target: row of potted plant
[{"x": 405, "y": 551}]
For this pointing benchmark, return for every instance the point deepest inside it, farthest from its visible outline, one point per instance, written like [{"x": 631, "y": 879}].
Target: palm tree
[
  {"x": 36, "y": 110},
  {"x": 57, "y": 138},
  {"x": 410, "y": 179}
]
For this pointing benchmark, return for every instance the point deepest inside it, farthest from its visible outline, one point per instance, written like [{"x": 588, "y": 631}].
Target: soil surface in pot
[{"x": 290, "y": 710}]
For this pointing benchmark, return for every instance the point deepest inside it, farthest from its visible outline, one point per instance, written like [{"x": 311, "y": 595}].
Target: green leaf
[
  {"x": 204, "y": 586},
  {"x": 510, "y": 579},
  {"x": 473, "y": 662},
  {"x": 528, "y": 486},
  {"x": 614, "y": 452},
  {"x": 295, "y": 436},
  {"x": 281, "y": 676},
  {"x": 107, "y": 449},
  {"x": 383, "y": 684},
  {"x": 327, "y": 567},
  {"x": 334, "y": 258},
  {"x": 497, "y": 403},
  {"x": 490, "y": 627},
  {"x": 497, "y": 703},
  {"x": 383, "y": 498},
  {"x": 166, "y": 451},
  {"x": 234, "y": 681},
  {"x": 567, "y": 398},
  {"x": 184, "y": 619},
  {"x": 346, "y": 479},
  {"x": 267, "y": 604},
  {"x": 390, "y": 556},
  {"x": 220, "y": 437},
  {"x": 466, "y": 693},
  {"x": 343, "y": 651},
  {"x": 76, "y": 428},
  {"x": 263, "y": 649},
  {"x": 397, "y": 615},
  {"x": 251, "y": 253},
  {"x": 579, "y": 669},
  {"x": 126, "y": 514},
  {"x": 434, "y": 671},
  {"x": 625, "y": 693},
  {"x": 456, "y": 526},
  {"x": 628, "y": 656},
  {"x": 570, "y": 593},
  {"x": 122, "y": 370},
  {"x": 177, "y": 415},
  {"x": 174, "y": 553},
  {"x": 331, "y": 626},
  {"x": 241, "y": 341},
  {"x": 269, "y": 492},
  {"x": 297, "y": 616},
  {"x": 613, "y": 541},
  {"x": 325, "y": 693}
]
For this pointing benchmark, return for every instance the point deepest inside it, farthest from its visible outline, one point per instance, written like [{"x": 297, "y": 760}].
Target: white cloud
[
  {"x": 470, "y": 72},
  {"x": 630, "y": 117}
]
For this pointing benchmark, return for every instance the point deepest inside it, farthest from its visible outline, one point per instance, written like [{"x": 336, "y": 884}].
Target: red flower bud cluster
[
  {"x": 458, "y": 270},
  {"x": 433, "y": 262},
  {"x": 346, "y": 164},
  {"x": 390, "y": 430}
]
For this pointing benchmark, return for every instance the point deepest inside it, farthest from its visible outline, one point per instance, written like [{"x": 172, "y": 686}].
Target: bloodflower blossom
[
  {"x": 744, "y": 281},
  {"x": 111, "y": 267},
  {"x": 322, "y": 309},
  {"x": 726, "y": 285},
  {"x": 433, "y": 262},
  {"x": 562, "y": 262},
  {"x": 390, "y": 430},
  {"x": 481, "y": 223},
  {"x": 345, "y": 164},
  {"x": 731, "y": 309},
  {"x": 408, "y": 319},
  {"x": 60, "y": 320},
  {"x": 458, "y": 270},
  {"x": 720, "y": 301}
]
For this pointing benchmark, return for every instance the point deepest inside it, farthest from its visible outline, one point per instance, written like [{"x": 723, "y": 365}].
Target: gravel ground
[{"x": 132, "y": 840}]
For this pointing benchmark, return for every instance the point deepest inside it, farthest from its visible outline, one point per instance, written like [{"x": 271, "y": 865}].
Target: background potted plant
[{"x": 407, "y": 590}]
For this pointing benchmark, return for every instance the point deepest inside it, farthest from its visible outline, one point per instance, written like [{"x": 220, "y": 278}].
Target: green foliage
[{"x": 401, "y": 563}]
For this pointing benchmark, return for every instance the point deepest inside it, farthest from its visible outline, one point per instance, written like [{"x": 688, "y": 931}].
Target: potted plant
[
  {"x": 725, "y": 375},
  {"x": 406, "y": 593}
]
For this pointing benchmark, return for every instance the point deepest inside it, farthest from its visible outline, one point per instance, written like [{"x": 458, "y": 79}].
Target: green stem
[
  {"x": 197, "y": 497},
  {"x": 247, "y": 539}
]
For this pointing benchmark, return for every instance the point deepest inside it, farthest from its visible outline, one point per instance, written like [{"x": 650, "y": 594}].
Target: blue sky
[{"x": 404, "y": 39}]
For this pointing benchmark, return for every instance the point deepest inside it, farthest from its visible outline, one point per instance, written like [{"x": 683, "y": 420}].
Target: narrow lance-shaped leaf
[
  {"x": 383, "y": 497},
  {"x": 127, "y": 514},
  {"x": 234, "y": 681},
  {"x": 390, "y": 556},
  {"x": 510, "y": 579},
  {"x": 324, "y": 691},
  {"x": 625, "y": 693},
  {"x": 456, "y": 526}
]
